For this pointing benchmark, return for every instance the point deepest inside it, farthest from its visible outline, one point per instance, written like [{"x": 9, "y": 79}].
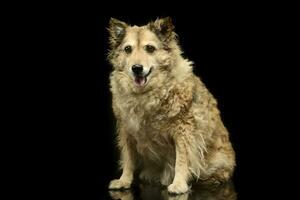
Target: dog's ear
[
  {"x": 163, "y": 28},
  {"x": 117, "y": 32}
]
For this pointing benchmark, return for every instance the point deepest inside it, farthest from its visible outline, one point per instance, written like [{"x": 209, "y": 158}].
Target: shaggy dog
[{"x": 168, "y": 124}]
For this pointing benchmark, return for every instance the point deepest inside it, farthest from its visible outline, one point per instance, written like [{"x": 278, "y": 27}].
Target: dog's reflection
[
  {"x": 121, "y": 194},
  {"x": 198, "y": 192}
]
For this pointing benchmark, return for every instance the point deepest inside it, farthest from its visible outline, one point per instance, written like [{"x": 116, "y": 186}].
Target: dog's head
[{"x": 143, "y": 54}]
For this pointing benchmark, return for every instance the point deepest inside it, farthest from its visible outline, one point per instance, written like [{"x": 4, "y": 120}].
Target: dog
[{"x": 169, "y": 128}]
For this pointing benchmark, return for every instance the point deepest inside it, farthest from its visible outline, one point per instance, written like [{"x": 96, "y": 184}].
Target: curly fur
[{"x": 170, "y": 130}]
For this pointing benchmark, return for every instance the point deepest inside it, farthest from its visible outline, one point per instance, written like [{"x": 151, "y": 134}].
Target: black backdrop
[
  {"x": 214, "y": 43},
  {"x": 74, "y": 144}
]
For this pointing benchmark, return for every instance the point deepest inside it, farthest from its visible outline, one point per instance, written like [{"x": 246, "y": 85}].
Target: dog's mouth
[{"x": 141, "y": 80}]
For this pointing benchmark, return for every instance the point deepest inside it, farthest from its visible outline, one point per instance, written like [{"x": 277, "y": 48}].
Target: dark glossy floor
[{"x": 151, "y": 192}]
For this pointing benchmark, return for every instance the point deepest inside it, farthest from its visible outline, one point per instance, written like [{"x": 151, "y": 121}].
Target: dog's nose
[{"x": 137, "y": 69}]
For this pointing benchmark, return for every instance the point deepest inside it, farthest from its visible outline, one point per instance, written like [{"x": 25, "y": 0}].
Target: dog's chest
[
  {"x": 142, "y": 115},
  {"x": 139, "y": 121},
  {"x": 145, "y": 119},
  {"x": 145, "y": 122},
  {"x": 152, "y": 140}
]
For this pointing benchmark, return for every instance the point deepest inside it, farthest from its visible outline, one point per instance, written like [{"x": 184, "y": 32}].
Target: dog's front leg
[
  {"x": 128, "y": 169},
  {"x": 179, "y": 184}
]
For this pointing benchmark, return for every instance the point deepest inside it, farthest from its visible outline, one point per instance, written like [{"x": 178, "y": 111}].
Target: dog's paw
[
  {"x": 119, "y": 184},
  {"x": 178, "y": 188}
]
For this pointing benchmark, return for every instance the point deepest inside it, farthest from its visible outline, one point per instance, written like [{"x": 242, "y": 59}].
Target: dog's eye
[
  {"x": 150, "y": 48},
  {"x": 128, "y": 49}
]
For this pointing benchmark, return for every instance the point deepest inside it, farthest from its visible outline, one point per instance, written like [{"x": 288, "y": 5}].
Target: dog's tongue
[{"x": 140, "y": 81}]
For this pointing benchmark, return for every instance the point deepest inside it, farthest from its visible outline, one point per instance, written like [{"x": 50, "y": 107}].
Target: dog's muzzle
[{"x": 139, "y": 77}]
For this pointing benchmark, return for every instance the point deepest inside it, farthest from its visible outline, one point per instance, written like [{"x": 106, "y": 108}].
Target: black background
[{"x": 66, "y": 89}]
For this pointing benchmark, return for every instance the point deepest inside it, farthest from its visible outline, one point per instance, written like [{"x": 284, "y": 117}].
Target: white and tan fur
[{"x": 169, "y": 127}]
